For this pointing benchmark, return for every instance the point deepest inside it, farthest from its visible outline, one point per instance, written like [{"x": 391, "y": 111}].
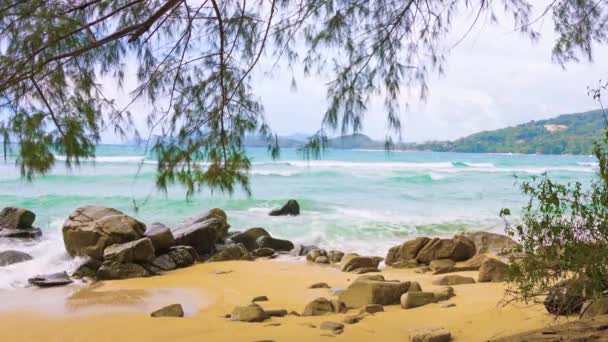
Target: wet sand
[{"x": 119, "y": 310}]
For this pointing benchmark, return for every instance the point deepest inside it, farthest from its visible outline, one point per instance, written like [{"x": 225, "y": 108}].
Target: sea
[{"x": 352, "y": 200}]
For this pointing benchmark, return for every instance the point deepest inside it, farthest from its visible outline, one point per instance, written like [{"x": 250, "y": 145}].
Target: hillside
[{"x": 565, "y": 134}]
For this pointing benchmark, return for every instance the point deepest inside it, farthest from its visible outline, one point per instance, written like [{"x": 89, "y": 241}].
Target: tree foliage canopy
[{"x": 194, "y": 60}]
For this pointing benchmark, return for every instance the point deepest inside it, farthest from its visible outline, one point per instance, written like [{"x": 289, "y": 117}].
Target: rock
[
  {"x": 183, "y": 256},
  {"x": 565, "y": 298},
  {"x": 414, "y": 287},
  {"x": 249, "y": 313},
  {"x": 430, "y": 334},
  {"x": 319, "y": 286},
  {"x": 441, "y": 266},
  {"x": 263, "y": 252},
  {"x": 290, "y": 208},
  {"x": 406, "y": 251},
  {"x": 29, "y": 233},
  {"x": 493, "y": 270},
  {"x": 13, "y": 257},
  {"x": 444, "y": 293},
  {"x": 173, "y": 310},
  {"x": 152, "y": 269},
  {"x": 594, "y": 307},
  {"x": 49, "y": 280},
  {"x": 312, "y": 255},
  {"x": 411, "y": 300},
  {"x": 365, "y": 291},
  {"x": 221, "y": 222},
  {"x": 372, "y": 308},
  {"x": 200, "y": 235},
  {"x": 111, "y": 270},
  {"x": 336, "y": 328},
  {"x": 88, "y": 269},
  {"x": 250, "y": 237},
  {"x": 459, "y": 248},
  {"x": 276, "y": 312},
  {"x": 318, "y": 307},
  {"x": 453, "y": 279},
  {"x": 16, "y": 218},
  {"x": 339, "y": 306},
  {"x": 486, "y": 242},
  {"x": 164, "y": 262},
  {"x": 301, "y": 250},
  {"x": 90, "y": 229},
  {"x": 322, "y": 260},
  {"x": 352, "y": 262},
  {"x": 412, "y": 263},
  {"x": 259, "y": 299},
  {"x": 161, "y": 236},
  {"x": 138, "y": 250},
  {"x": 335, "y": 256},
  {"x": 232, "y": 252},
  {"x": 276, "y": 244},
  {"x": 447, "y": 305}
]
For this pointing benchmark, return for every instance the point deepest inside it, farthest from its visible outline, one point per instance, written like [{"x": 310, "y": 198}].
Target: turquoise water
[{"x": 361, "y": 201}]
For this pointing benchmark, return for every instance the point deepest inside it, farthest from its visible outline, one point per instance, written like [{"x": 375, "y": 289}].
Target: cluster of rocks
[{"x": 351, "y": 262}]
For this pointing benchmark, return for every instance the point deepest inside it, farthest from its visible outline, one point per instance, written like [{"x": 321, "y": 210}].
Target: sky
[{"x": 493, "y": 79}]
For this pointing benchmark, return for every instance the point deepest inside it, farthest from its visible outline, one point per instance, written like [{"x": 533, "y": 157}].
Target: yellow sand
[{"x": 477, "y": 315}]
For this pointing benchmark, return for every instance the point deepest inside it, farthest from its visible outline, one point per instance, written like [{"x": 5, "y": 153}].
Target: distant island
[{"x": 565, "y": 134}]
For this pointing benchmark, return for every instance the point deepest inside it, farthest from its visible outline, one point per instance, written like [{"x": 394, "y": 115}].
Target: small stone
[
  {"x": 353, "y": 319},
  {"x": 272, "y": 325},
  {"x": 276, "y": 312},
  {"x": 453, "y": 279},
  {"x": 173, "y": 310},
  {"x": 221, "y": 272},
  {"x": 431, "y": 334},
  {"x": 249, "y": 313},
  {"x": 318, "y": 307},
  {"x": 319, "y": 286},
  {"x": 49, "y": 280},
  {"x": 447, "y": 305},
  {"x": 415, "y": 299},
  {"x": 372, "y": 308},
  {"x": 314, "y": 254},
  {"x": 259, "y": 299},
  {"x": 336, "y": 328}
]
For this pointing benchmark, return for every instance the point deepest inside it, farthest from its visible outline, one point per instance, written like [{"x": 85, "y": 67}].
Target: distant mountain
[
  {"x": 565, "y": 134},
  {"x": 355, "y": 141}
]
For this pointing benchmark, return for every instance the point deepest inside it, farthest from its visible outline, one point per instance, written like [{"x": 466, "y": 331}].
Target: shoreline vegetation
[{"x": 222, "y": 285}]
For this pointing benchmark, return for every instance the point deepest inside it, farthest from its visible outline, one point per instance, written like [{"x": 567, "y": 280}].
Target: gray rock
[
  {"x": 453, "y": 279},
  {"x": 16, "y": 218},
  {"x": 232, "y": 252},
  {"x": 90, "y": 229},
  {"x": 161, "y": 236},
  {"x": 164, "y": 262},
  {"x": 412, "y": 300},
  {"x": 276, "y": 244},
  {"x": 221, "y": 228},
  {"x": 111, "y": 270},
  {"x": 29, "y": 233},
  {"x": 50, "y": 280},
  {"x": 250, "y": 237},
  {"x": 173, "y": 310},
  {"x": 183, "y": 256},
  {"x": 200, "y": 235},
  {"x": 318, "y": 307},
  {"x": 13, "y": 257},
  {"x": 137, "y": 250},
  {"x": 88, "y": 269},
  {"x": 292, "y": 207},
  {"x": 249, "y": 313}
]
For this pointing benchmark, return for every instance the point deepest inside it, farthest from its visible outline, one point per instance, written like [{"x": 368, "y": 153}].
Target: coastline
[{"x": 112, "y": 310}]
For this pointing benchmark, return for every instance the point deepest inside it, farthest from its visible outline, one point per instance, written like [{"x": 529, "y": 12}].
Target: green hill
[
  {"x": 565, "y": 134},
  {"x": 354, "y": 141}
]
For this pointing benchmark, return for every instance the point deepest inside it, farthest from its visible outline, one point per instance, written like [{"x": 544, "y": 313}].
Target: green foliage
[
  {"x": 194, "y": 59},
  {"x": 575, "y": 134}
]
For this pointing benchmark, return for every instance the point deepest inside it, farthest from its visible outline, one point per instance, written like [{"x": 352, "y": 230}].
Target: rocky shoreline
[{"x": 118, "y": 246}]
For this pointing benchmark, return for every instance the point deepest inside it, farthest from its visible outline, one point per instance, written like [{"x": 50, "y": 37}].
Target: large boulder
[
  {"x": 232, "y": 252},
  {"x": 353, "y": 262},
  {"x": 486, "y": 242},
  {"x": 138, "y": 250},
  {"x": 218, "y": 214},
  {"x": 200, "y": 235},
  {"x": 292, "y": 207},
  {"x": 276, "y": 244},
  {"x": 492, "y": 270},
  {"x": 406, "y": 251},
  {"x": 459, "y": 248},
  {"x": 16, "y": 218},
  {"x": 250, "y": 237},
  {"x": 111, "y": 270},
  {"x": 367, "y": 290},
  {"x": 90, "y": 229},
  {"x": 13, "y": 257},
  {"x": 161, "y": 236}
]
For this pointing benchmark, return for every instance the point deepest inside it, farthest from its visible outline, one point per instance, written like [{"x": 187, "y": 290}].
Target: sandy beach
[{"x": 112, "y": 310}]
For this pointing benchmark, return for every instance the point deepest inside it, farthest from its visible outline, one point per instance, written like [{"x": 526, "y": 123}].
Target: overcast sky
[{"x": 493, "y": 79}]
